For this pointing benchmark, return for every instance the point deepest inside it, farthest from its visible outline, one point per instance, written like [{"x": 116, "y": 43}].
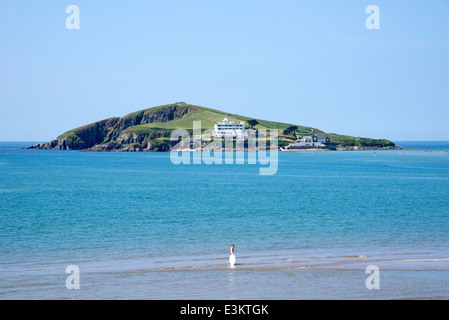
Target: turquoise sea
[{"x": 139, "y": 227}]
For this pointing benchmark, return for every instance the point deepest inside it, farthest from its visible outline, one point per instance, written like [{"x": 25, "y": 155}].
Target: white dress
[{"x": 232, "y": 258}]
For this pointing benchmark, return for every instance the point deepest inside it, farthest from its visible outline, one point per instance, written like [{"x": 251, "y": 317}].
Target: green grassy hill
[
  {"x": 208, "y": 118},
  {"x": 150, "y": 129}
]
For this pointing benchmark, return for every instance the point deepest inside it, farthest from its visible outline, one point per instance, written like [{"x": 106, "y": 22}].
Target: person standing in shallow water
[{"x": 232, "y": 256}]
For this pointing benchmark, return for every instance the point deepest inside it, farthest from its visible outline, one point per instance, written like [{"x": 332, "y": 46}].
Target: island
[{"x": 150, "y": 130}]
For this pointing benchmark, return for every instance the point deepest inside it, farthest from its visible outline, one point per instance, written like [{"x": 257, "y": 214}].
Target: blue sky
[{"x": 311, "y": 63}]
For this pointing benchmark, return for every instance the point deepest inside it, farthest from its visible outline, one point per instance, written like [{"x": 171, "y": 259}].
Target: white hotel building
[{"x": 228, "y": 128}]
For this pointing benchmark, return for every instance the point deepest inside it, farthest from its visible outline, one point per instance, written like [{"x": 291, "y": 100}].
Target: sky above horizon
[{"x": 311, "y": 63}]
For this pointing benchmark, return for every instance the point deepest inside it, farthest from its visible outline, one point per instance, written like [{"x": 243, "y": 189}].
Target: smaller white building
[
  {"x": 228, "y": 128},
  {"x": 317, "y": 140},
  {"x": 306, "y": 141},
  {"x": 320, "y": 139}
]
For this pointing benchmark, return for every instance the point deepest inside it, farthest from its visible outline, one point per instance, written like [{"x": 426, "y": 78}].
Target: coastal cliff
[{"x": 112, "y": 134}]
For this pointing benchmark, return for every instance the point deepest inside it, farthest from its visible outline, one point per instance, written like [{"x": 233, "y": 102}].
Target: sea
[{"x": 328, "y": 225}]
